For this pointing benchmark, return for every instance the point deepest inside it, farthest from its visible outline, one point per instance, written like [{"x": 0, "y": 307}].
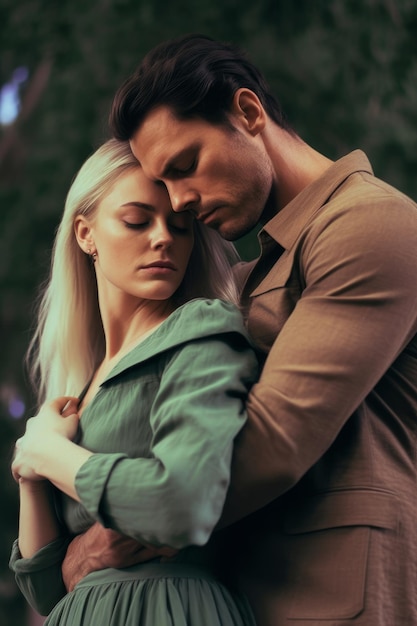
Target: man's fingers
[
  {"x": 166, "y": 551},
  {"x": 148, "y": 553},
  {"x": 143, "y": 555}
]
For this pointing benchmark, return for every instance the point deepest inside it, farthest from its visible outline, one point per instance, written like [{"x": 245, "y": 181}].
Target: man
[{"x": 324, "y": 477}]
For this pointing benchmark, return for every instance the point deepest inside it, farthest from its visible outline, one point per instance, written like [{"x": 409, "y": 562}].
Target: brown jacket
[{"x": 329, "y": 450}]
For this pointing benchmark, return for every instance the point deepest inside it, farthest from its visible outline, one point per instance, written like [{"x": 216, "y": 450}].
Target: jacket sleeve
[
  {"x": 176, "y": 497},
  {"x": 356, "y": 314}
]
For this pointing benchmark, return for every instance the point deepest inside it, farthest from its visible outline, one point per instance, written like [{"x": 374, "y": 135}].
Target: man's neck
[{"x": 296, "y": 165}]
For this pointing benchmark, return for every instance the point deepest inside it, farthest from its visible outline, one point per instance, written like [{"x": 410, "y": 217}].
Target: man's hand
[{"x": 99, "y": 548}]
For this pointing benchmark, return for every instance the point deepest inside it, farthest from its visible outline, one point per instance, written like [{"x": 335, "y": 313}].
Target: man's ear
[
  {"x": 83, "y": 233},
  {"x": 248, "y": 107}
]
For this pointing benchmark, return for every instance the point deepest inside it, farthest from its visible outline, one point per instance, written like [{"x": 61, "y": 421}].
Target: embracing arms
[
  {"x": 176, "y": 495},
  {"x": 353, "y": 277}
]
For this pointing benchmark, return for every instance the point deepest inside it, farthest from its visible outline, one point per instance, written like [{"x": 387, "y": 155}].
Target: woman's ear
[
  {"x": 247, "y": 106},
  {"x": 83, "y": 234}
]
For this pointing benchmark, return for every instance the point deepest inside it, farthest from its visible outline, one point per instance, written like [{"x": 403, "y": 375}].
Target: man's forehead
[
  {"x": 161, "y": 134},
  {"x": 164, "y": 119}
]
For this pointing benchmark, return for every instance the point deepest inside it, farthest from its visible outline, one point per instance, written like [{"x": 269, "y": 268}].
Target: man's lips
[{"x": 206, "y": 217}]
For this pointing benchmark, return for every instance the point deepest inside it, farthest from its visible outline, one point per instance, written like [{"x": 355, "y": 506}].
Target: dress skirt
[{"x": 151, "y": 594}]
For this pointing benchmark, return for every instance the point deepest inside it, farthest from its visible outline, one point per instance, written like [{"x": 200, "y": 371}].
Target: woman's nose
[{"x": 161, "y": 236}]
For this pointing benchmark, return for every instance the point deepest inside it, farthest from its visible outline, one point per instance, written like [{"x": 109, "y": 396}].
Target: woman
[{"x": 135, "y": 313}]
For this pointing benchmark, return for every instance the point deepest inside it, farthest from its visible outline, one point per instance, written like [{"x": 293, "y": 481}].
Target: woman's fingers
[{"x": 65, "y": 405}]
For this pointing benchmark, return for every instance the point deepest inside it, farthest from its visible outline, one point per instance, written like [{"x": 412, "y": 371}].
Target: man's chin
[
  {"x": 229, "y": 230},
  {"x": 233, "y": 233}
]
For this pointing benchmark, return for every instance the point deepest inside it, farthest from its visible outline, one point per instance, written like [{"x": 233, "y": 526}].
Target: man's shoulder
[{"x": 364, "y": 187}]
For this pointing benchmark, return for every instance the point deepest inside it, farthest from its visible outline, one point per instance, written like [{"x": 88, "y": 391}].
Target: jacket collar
[{"x": 285, "y": 227}]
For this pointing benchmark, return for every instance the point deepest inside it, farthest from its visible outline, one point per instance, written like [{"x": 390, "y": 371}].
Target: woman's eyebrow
[{"x": 140, "y": 205}]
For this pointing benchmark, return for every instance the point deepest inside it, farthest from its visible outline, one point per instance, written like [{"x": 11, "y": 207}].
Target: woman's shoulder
[
  {"x": 198, "y": 320},
  {"x": 203, "y": 316}
]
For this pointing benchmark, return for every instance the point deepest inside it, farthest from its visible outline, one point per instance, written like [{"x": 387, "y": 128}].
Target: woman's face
[{"x": 143, "y": 247}]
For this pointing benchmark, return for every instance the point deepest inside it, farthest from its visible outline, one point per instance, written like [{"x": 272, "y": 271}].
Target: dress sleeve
[
  {"x": 176, "y": 497},
  {"x": 356, "y": 314},
  {"x": 40, "y": 578}
]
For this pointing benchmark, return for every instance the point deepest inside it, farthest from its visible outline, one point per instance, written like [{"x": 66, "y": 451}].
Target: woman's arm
[
  {"x": 175, "y": 496},
  {"x": 38, "y": 553},
  {"x": 38, "y": 524},
  {"x": 46, "y": 450}
]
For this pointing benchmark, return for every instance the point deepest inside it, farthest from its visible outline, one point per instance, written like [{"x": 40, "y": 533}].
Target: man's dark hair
[{"x": 195, "y": 76}]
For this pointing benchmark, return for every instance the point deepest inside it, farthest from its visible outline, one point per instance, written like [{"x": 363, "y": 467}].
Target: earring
[{"x": 92, "y": 255}]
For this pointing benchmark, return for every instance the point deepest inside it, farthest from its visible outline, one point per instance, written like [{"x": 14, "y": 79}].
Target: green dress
[{"x": 161, "y": 428}]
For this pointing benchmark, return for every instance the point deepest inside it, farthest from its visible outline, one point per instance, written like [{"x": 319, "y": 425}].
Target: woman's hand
[{"x": 56, "y": 419}]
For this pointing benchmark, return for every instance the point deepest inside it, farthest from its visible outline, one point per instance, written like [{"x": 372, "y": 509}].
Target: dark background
[{"x": 344, "y": 70}]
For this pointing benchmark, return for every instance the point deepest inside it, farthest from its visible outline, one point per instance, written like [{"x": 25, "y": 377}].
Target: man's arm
[{"x": 356, "y": 313}]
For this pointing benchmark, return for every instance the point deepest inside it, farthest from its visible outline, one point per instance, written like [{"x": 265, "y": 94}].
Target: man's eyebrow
[{"x": 170, "y": 164}]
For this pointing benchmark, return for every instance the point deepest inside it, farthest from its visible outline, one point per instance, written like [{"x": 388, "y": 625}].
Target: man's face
[{"x": 221, "y": 174}]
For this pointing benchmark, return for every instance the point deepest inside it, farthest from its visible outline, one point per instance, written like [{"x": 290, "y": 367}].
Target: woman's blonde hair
[{"x": 69, "y": 343}]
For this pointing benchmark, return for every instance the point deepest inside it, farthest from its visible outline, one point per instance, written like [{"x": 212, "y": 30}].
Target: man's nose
[{"x": 183, "y": 197}]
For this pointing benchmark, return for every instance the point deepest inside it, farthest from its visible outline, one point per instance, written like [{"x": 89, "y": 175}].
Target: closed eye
[
  {"x": 183, "y": 171},
  {"x": 179, "y": 229},
  {"x": 136, "y": 225}
]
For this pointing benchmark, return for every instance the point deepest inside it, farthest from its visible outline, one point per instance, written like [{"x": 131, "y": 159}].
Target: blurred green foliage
[{"x": 345, "y": 71}]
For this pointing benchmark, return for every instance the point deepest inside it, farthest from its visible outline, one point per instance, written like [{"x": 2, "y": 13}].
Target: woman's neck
[{"x": 125, "y": 328}]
